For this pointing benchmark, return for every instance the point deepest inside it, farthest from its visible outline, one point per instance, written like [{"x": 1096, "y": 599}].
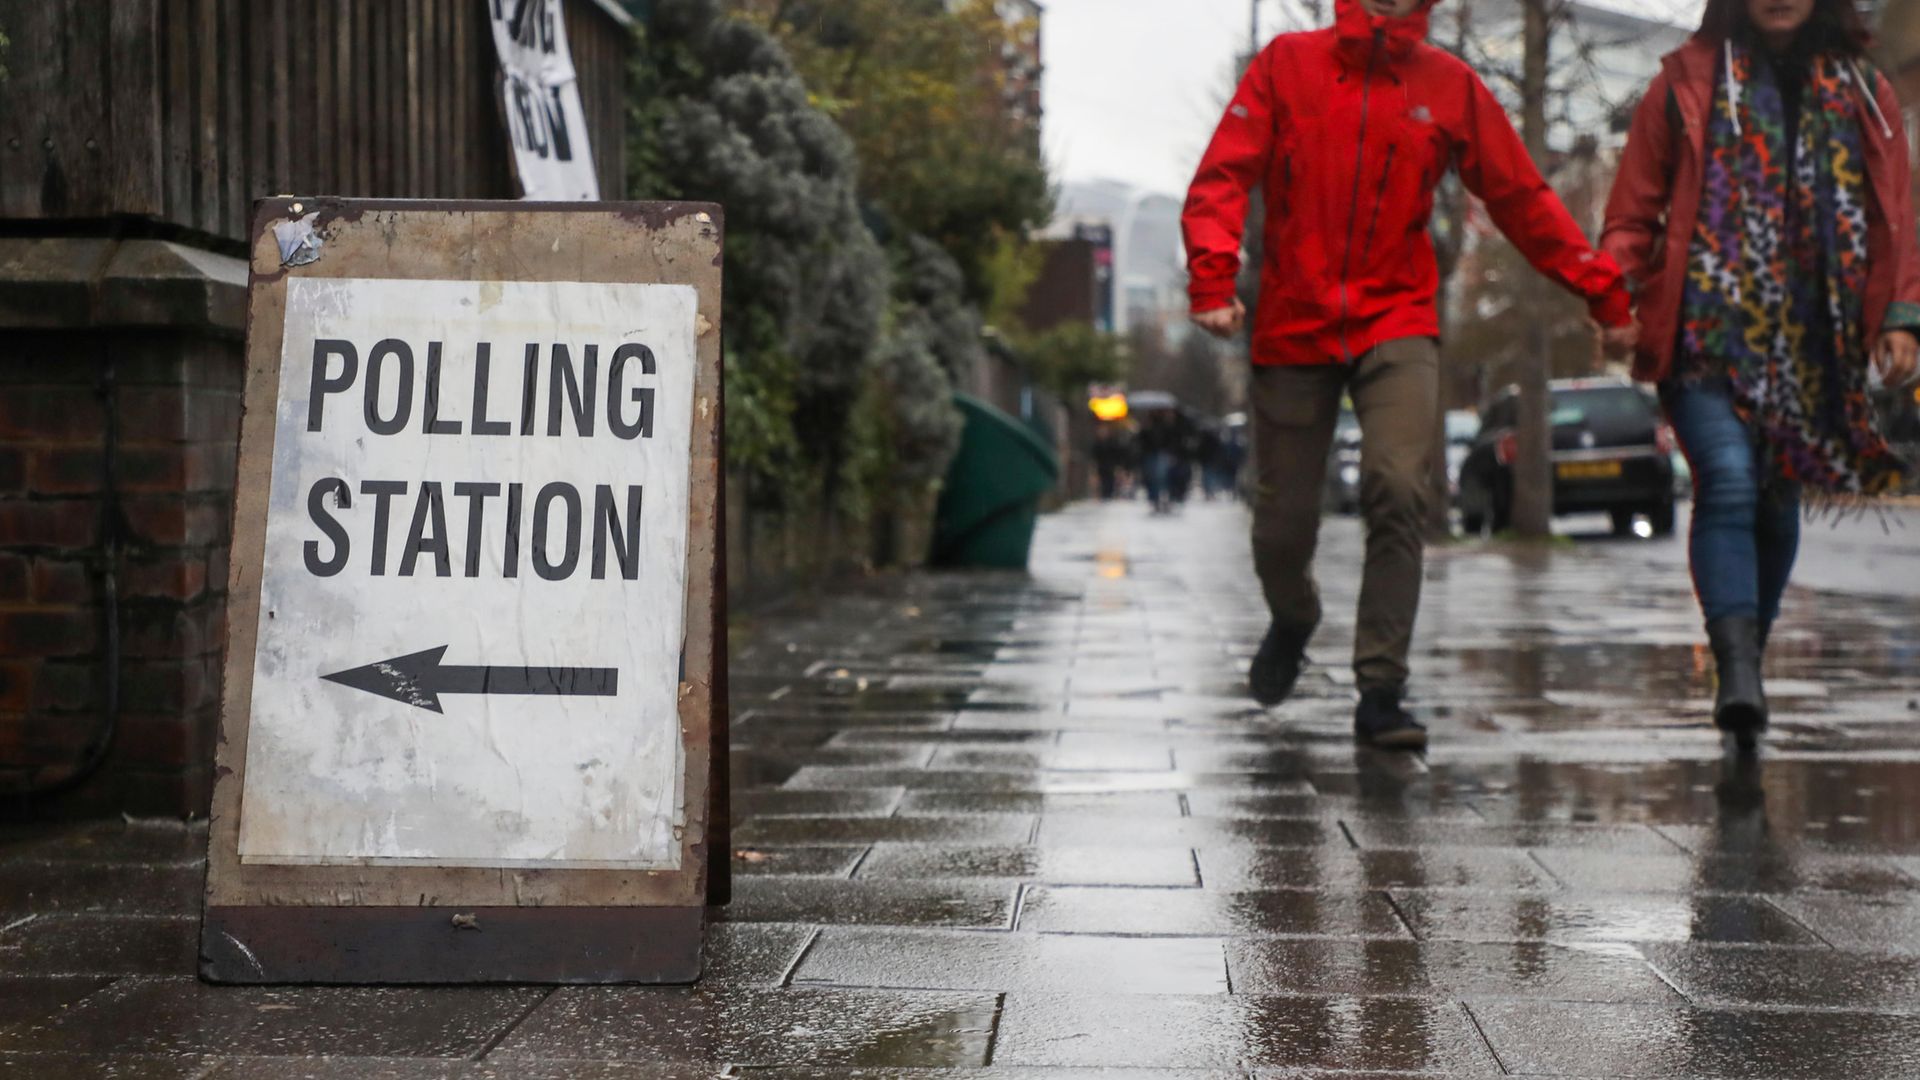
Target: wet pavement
[{"x": 1026, "y": 827}]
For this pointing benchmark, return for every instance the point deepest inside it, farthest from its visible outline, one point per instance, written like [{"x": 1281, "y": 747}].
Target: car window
[
  {"x": 1611, "y": 408},
  {"x": 1606, "y": 411}
]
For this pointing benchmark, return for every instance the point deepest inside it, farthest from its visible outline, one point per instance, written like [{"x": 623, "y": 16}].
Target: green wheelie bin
[{"x": 993, "y": 491}]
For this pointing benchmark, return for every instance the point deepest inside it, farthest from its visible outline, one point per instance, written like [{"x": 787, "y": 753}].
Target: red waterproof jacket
[
  {"x": 1656, "y": 204},
  {"x": 1351, "y": 128}
]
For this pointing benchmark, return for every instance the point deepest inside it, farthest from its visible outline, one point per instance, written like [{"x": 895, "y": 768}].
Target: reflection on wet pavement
[{"x": 1003, "y": 825}]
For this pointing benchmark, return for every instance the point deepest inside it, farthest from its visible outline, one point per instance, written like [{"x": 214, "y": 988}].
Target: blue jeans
[
  {"x": 1746, "y": 531},
  {"x": 1156, "y": 473}
]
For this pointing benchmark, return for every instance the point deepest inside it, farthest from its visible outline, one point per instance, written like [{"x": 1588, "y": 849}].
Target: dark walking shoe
[
  {"x": 1276, "y": 667},
  {"x": 1383, "y": 723},
  {"x": 1740, "y": 706}
]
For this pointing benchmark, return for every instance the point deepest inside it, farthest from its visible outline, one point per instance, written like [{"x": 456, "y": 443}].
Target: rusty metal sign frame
[{"x": 412, "y": 924}]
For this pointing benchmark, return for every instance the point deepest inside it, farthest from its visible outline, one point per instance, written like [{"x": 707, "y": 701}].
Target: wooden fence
[{"x": 185, "y": 111}]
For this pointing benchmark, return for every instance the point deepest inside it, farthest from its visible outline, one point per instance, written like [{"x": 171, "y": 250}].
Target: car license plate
[{"x": 1589, "y": 470}]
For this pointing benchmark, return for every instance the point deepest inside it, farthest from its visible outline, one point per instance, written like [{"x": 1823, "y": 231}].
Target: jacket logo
[
  {"x": 1421, "y": 114},
  {"x": 1239, "y": 111}
]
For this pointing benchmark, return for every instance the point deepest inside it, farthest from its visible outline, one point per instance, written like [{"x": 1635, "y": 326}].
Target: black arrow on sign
[{"x": 420, "y": 678}]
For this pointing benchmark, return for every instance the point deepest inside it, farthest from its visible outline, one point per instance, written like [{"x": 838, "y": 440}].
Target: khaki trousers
[{"x": 1395, "y": 390}]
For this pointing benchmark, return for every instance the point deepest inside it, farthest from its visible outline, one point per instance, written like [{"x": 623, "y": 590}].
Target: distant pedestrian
[
  {"x": 1154, "y": 447},
  {"x": 1763, "y": 207},
  {"x": 1180, "y": 464},
  {"x": 1109, "y": 457},
  {"x": 1348, "y": 130}
]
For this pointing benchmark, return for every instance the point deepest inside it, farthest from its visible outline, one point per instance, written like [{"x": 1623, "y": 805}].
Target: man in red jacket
[{"x": 1349, "y": 129}]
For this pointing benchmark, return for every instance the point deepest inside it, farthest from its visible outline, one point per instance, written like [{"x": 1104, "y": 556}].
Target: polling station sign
[{"x": 472, "y": 604}]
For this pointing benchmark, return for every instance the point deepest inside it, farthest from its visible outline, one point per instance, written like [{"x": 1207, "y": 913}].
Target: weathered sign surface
[
  {"x": 477, "y": 528},
  {"x": 472, "y": 661}
]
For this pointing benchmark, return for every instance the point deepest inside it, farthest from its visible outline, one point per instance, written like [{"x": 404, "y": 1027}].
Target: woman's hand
[
  {"x": 1618, "y": 342},
  {"x": 1899, "y": 357}
]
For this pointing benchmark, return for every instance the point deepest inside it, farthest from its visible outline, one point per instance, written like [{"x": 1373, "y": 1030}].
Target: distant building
[{"x": 1148, "y": 264}]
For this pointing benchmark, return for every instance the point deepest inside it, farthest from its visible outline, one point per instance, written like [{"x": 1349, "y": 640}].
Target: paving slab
[
  {"x": 1104, "y": 804},
  {"x": 837, "y": 861},
  {"x": 1170, "y": 867},
  {"x": 757, "y": 1027},
  {"x": 1252, "y": 866},
  {"x": 256, "y": 1068},
  {"x": 185, "y": 1016},
  {"x": 942, "y": 960},
  {"x": 108, "y": 1067},
  {"x": 100, "y": 945},
  {"x": 1189, "y": 832},
  {"x": 1872, "y": 923},
  {"x": 1208, "y": 913},
  {"x": 1441, "y": 916},
  {"x": 976, "y": 904},
  {"x": 1241, "y": 1032},
  {"x": 1773, "y": 871},
  {"x": 1556, "y": 1039},
  {"x": 1531, "y": 970},
  {"x": 754, "y": 954},
  {"x": 1790, "y": 978},
  {"x": 28, "y": 998}
]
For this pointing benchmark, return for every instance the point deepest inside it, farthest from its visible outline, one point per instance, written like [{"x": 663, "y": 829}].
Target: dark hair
[{"x": 1834, "y": 26}]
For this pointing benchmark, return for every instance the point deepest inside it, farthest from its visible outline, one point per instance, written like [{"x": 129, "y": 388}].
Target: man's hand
[
  {"x": 1899, "y": 357},
  {"x": 1618, "y": 342},
  {"x": 1222, "y": 322}
]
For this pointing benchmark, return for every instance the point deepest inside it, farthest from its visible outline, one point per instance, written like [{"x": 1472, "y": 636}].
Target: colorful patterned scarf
[{"x": 1777, "y": 275}]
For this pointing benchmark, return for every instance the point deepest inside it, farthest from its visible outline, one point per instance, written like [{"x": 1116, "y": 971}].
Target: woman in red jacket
[
  {"x": 1348, "y": 130},
  {"x": 1763, "y": 215}
]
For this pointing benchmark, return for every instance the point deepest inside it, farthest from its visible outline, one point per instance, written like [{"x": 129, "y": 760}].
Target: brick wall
[
  {"x": 116, "y": 479},
  {"x": 118, "y": 434}
]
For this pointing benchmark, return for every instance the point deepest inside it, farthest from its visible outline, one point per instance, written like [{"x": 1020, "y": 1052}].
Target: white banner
[{"x": 540, "y": 93}]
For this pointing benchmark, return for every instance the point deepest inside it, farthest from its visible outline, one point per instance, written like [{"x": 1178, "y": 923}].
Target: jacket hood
[{"x": 1357, "y": 31}]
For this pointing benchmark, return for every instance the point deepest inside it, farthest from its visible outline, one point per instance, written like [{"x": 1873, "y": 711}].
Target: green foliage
[
  {"x": 1065, "y": 359},
  {"x": 917, "y": 86},
  {"x": 841, "y": 354},
  {"x": 719, "y": 115},
  {"x": 929, "y": 285},
  {"x": 906, "y": 428},
  {"x": 1011, "y": 268}
]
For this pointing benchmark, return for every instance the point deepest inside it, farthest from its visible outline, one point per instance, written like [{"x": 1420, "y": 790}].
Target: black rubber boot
[
  {"x": 1383, "y": 723},
  {"x": 1276, "y": 667},
  {"x": 1740, "y": 707}
]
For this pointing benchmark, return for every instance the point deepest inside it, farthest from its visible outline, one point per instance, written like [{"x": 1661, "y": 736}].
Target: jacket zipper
[
  {"x": 1353, "y": 214},
  {"x": 1373, "y": 219}
]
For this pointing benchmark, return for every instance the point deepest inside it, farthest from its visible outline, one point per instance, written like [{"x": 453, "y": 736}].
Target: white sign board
[
  {"x": 540, "y": 94},
  {"x": 472, "y": 590}
]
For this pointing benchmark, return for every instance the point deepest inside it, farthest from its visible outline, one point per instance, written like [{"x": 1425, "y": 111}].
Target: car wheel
[
  {"x": 1662, "y": 516},
  {"x": 1622, "y": 521}
]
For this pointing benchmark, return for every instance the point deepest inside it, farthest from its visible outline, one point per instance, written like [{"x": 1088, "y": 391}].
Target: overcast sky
[{"x": 1134, "y": 87}]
